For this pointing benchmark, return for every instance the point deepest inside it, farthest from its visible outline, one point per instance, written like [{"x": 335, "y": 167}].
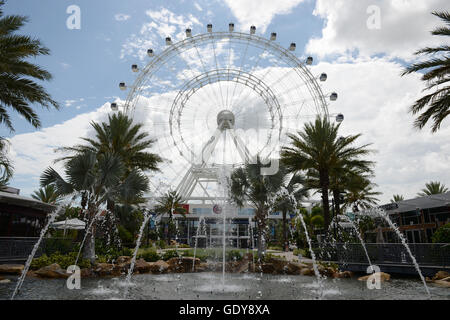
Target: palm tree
[
  {"x": 120, "y": 136},
  {"x": 296, "y": 188},
  {"x": 6, "y": 167},
  {"x": 397, "y": 198},
  {"x": 437, "y": 76},
  {"x": 97, "y": 179},
  {"x": 319, "y": 150},
  {"x": 47, "y": 194},
  {"x": 434, "y": 187},
  {"x": 313, "y": 220},
  {"x": 17, "y": 89},
  {"x": 248, "y": 185},
  {"x": 170, "y": 204},
  {"x": 361, "y": 194}
]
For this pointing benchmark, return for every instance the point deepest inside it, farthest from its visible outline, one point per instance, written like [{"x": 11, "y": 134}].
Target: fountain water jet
[
  {"x": 51, "y": 219},
  {"x": 133, "y": 259},
  {"x": 380, "y": 212}
]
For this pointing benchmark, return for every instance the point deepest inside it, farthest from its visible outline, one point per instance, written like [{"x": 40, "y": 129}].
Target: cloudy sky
[{"x": 362, "y": 55}]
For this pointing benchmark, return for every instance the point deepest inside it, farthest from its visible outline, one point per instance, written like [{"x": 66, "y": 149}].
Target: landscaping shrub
[
  {"x": 233, "y": 255},
  {"x": 150, "y": 255},
  {"x": 170, "y": 254},
  {"x": 53, "y": 245},
  {"x": 64, "y": 261},
  {"x": 275, "y": 248},
  {"x": 442, "y": 235}
]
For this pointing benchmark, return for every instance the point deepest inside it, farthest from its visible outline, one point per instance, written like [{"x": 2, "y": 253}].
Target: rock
[
  {"x": 182, "y": 264},
  {"x": 441, "y": 275},
  {"x": 444, "y": 283},
  {"x": 52, "y": 271},
  {"x": 342, "y": 274},
  {"x": 159, "y": 266},
  {"x": 346, "y": 274},
  {"x": 244, "y": 266},
  {"x": 105, "y": 269},
  {"x": 31, "y": 274},
  {"x": 267, "y": 268},
  {"x": 279, "y": 265},
  {"x": 383, "y": 276},
  {"x": 294, "y": 268},
  {"x": 142, "y": 266},
  {"x": 307, "y": 272},
  {"x": 4, "y": 281},
  {"x": 86, "y": 273},
  {"x": 123, "y": 259},
  {"x": 201, "y": 267},
  {"x": 11, "y": 268}
]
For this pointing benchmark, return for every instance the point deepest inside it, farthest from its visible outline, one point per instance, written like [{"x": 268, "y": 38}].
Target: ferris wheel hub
[{"x": 225, "y": 119}]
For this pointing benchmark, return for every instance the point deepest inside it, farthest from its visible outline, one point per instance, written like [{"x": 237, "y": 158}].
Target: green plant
[
  {"x": 170, "y": 254},
  {"x": 233, "y": 255},
  {"x": 64, "y": 261},
  {"x": 150, "y": 255},
  {"x": 52, "y": 245},
  {"x": 275, "y": 248},
  {"x": 299, "y": 251},
  {"x": 442, "y": 235}
]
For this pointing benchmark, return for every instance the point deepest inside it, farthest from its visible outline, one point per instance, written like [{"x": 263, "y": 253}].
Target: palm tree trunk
[
  {"x": 285, "y": 241},
  {"x": 89, "y": 245},
  {"x": 337, "y": 201},
  {"x": 324, "y": 183},
  {"x": 261, "y": 226},
  {"x": 169, "y": 234}
]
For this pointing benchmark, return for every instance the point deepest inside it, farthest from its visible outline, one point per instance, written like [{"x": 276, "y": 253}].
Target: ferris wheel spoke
[
  {"x": 204, "y": 68},
  {"x": 255, "y": 66},
  {"x": 194, "y": 75},
  {"x": 217, "y": 68},
  {"x": 240, "y": 69}
]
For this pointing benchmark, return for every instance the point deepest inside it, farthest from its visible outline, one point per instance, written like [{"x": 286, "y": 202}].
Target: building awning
[
  {"x": 72, "y": 224},
  {"x": 17, "y": 200},
  {"x": 427, "y": 202}
]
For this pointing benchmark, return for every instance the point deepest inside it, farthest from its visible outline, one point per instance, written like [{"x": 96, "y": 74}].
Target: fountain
[
  {"x": 136, "y": 249},
  {"x": 50, "y": 220},
  {"x": 380, "y": 212},
  {"x": 200, "y": 227}
]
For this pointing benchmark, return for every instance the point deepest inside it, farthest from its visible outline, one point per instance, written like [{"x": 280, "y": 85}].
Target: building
[
  {"x": 419, "y": 218},
  {"x": 21, "y": 221},
  {"x": 21, "y": 216},
  {"x": 240, "y": 227}
]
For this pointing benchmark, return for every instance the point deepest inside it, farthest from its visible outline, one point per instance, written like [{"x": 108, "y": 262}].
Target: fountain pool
[{"x": 208, "y": 286}]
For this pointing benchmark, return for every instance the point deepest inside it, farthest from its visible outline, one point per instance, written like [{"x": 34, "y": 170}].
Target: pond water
[{"x": 208, "y": 286}]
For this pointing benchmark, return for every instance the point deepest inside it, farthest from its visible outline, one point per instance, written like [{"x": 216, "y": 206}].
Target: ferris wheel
[{"x": 221, "y": 98}]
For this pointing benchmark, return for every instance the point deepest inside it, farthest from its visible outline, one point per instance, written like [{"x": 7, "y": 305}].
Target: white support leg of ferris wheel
[{"x": 240, "y": 146}]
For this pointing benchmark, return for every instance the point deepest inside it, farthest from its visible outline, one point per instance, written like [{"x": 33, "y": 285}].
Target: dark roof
[
  {"x": 427, "y": 202},
  {"x": 14, "y": 199}
]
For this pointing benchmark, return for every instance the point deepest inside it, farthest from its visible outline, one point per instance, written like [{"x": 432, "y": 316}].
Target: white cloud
[
  {"x": 121, "y": 17},
  {"x": 33, "y": 152},
  {"x": 197, "y": 6},
  {"x": 405, "y": 27},
  {"x": 375, "y": 100},
  {"x": 259, "y": 12},
  {"x": 164, "y": 23}
]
